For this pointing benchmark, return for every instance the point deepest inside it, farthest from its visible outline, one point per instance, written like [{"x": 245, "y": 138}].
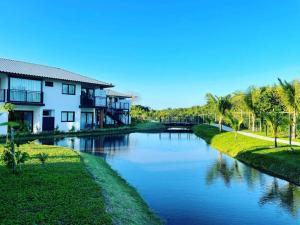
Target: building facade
[{"x": 49, "y": 98}]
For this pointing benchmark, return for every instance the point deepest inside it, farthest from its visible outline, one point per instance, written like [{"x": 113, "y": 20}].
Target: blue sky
[{"x": 169, "y": 53}]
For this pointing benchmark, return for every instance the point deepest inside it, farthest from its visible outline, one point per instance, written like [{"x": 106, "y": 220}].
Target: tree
[
  {"x": 272, "y": 108},
  {"x": 251, "y": 98},
  {"x": 221, "y": 106},
  {"x": 291, "y": 99},
  {"x": 234, "y": 122},
  {"x": 275, "y": 119},
  {"x": 11, "y": 156}
]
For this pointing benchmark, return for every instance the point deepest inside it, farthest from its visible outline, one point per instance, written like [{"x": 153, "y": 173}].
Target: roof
[
  {"x": 36, "y": 70},
  {"x": 113, "y": 93}
]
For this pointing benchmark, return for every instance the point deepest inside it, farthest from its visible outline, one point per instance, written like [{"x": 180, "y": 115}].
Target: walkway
[{"x": 226, "y": 128}]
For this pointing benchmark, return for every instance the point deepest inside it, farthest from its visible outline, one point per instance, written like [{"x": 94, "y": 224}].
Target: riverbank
[
  {"x": 261, "y": 154},
  {"x": 124, "y": 203},
  {"x": 60, "y": 192},
  {"x": 138, "y": 127},
  {"x": 68, "y": 189}
]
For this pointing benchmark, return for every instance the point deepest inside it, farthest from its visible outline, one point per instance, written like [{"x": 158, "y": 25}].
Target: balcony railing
[
  {"x": 93, "y": 101},
  {"x": 24, "y": 96},
  {"x": 119, "y": 105}
]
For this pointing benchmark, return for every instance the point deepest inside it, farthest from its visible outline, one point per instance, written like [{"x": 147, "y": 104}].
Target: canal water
[{"x": 185, "y": 181}]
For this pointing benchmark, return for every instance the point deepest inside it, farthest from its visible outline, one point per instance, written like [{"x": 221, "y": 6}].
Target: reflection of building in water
[
  {"x": 107, "y": 145},
  {"x": 98, "y": 145}
]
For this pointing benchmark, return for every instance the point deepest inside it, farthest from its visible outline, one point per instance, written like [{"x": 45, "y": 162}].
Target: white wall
[{"x": 55, "y": 100}]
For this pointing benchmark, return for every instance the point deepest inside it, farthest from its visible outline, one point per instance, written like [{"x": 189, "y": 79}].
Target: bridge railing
[{"x": 188, "y": 120}]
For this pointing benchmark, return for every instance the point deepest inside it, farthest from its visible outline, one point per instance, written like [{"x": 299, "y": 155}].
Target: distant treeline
[{"x": 275, "y": 107}]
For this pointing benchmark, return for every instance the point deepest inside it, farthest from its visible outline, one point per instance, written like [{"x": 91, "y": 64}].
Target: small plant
[
  {"x": 73, "y": 129},
  {"x": 14, "y": 158},
  {"x": 56, "y": 130},
  {"x": 42, "y": 157}
]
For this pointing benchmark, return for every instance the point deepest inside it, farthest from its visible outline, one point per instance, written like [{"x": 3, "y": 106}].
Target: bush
[
  {"x": 73, "y": 129},
  {"x": 42, "y": 157},
  {"x": 14, "y": 158}
]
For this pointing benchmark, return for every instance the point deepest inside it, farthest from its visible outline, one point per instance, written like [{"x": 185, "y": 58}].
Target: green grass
[
  {"x": 149, "y": 126},
  {"x": 60, "y": 192},
  {"x": 258, "y": 153},
  {"x": 125, "y": 204}
]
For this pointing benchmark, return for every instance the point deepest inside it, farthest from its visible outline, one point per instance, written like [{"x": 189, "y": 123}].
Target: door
[{"x": 48, "y": 123}]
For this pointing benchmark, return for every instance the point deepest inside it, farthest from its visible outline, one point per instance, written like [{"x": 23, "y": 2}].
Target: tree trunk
[
  {"x": 290, "y": 134},
  {"x": 275, "y": 137},
  {"x": 253, "y": 123},
  {"x": 294, "y": 129},
  {"x": 249, "y": 121},
  {"x": 13, "y": 149},
  {"x": 260, "y": 124},
  {"x": 266, "y": 130},
  {"x": 220, "y": 125}
]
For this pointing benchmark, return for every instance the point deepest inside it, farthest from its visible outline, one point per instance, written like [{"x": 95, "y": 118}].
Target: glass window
[
  {"x": 64, "y": 117},
  {"x": 68, "y": 89},
  {"x": 65, "y": 89},
  {"x": 49, "y": 83},
  {"x": 25, "y": 84},
  {"x": 25, "y": 90},
  {"x": 71, "y": 116},
  {"x": 71, "y": 89},
  {"x": 67, "y": 116}
]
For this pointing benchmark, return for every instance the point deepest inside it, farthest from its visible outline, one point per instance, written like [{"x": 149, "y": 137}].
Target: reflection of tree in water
[
  {"x": 222, "y": 169},
  {"x": 286, "y": 196}
]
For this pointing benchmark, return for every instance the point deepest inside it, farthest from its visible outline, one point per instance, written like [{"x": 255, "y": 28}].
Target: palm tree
[
  {"x": 221, "y": 106},
  {"x": 275, "y": 119},
  {"x": 291, "y": 99},
  {"x": 234, "y": 122},
  {"x": 251, "y": 98}
]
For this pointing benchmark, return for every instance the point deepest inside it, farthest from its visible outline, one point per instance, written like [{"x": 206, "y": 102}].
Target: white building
[{"x": 49, "y": 98}]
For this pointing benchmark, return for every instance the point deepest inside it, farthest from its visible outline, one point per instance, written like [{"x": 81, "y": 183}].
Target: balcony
[
  {"x": 24, "y": 97},
  {"x": 119, "y": 105},
  {"x": 93, "y": 101}
]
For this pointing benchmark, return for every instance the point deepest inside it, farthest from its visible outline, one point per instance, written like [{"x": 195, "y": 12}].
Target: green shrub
[
  {"x": 42, "y": 157},
  {"x": 13, "y": 157}
]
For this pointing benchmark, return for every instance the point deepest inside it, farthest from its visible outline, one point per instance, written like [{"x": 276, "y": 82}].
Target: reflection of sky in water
[{"x": 187, "y": 182}]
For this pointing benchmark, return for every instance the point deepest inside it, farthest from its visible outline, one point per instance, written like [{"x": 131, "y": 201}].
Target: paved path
[{"x": 226, "y": 128}]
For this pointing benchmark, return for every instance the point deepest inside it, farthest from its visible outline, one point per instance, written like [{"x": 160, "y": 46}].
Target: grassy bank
[
  {"x": 68, "y": 189},
  {"x": 138, "y": 127},
  {"x": 124, "y": 203},
  {"x": 258, "y": 153},
  {"x": 60, "y": 192}
]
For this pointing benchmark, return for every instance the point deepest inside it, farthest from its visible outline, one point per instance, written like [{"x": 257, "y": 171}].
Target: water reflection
[
  {"x": 98, "y": 145},
  {"x": 224, "y": 170},
  {"x": 287, "y": 196},
  {"x": 175, "y": 165},
  {"x": 284, "y": 194}
]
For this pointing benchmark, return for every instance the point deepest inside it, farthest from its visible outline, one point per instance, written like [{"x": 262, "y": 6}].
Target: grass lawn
[
  {"x": 61, "y": 192},
  {"x": 279, "y": 161},
  {"x": 124, "y": 203}
]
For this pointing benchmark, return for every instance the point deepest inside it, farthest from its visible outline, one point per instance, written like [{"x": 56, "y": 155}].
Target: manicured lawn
[
  {"x": 280, "y": 161},
  {"x": 61, "y": 192},
  {"x": 125, "y": 204}
]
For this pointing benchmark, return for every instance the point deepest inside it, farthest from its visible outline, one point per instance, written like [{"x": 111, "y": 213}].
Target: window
[
  {"x": 67, "y": 116},
  {"x": 25, "y": 90},
  {"x": 49, "y": 83},
  {"x": 47, "y": 112},
  {"x": 68, "y": 89}
]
